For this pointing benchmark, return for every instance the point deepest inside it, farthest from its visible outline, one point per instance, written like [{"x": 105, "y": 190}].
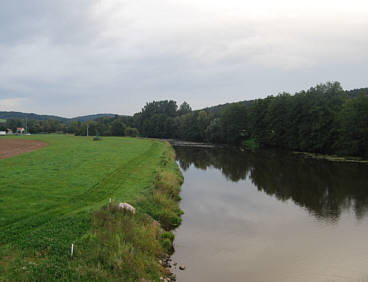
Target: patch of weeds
[{"x": 122, "y": 245}]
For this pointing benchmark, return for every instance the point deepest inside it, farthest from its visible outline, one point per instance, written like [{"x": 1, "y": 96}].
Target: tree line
[{"x": 323, "y": 119}]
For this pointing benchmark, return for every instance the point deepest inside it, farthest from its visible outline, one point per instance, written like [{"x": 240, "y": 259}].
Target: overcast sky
[{"x": 76, "y": 57}]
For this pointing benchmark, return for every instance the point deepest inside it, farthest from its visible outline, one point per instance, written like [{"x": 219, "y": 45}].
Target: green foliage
[
  {"x": 132, "y": 132},
  {"x": 121, "y": 246},
  {"x": 167, "y": 241},
  {"x": 58, "y": 200},
  {"x": 214, "y": 131},
  {"x": 323, "y": 119},
  {"x": 354, "y": 126},
  {"x": 307, "y": 121},
  {"x": 234, "y": 121},
  {"x": 157, "y": 119},
  {"x": 184, "y": 109},
  {"x": 117, "y": 128},
  {"x": 168, "y": 235},
  {"x": 187, "y": 127},
  {"x": 162, "y": 203}
]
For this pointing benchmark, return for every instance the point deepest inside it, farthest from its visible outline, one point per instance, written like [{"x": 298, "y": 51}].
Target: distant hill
[
  {"x": 20, "y": 115},
  {"x": 91, "y": 117}
]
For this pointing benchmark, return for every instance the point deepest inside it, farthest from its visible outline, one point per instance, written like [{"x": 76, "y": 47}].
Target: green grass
[{"x": 58, "y": 195}]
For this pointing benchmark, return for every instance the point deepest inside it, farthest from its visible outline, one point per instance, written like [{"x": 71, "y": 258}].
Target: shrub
[{"x": 132, "y": 132}]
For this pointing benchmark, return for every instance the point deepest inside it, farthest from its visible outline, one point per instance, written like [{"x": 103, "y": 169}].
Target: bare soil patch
[{"x": 13, "y": 147}]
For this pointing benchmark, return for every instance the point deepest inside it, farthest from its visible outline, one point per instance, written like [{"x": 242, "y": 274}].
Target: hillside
[
  {"x": 218, "y": 108},
  {"x": 91, "y": 117},
  {"x": 20, "y": 115}
]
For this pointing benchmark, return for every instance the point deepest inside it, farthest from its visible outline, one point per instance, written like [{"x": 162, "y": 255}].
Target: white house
[{"x": 20, "y": 130}]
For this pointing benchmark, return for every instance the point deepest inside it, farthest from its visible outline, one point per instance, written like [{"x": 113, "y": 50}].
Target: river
[{"x": 271, "y": 216}]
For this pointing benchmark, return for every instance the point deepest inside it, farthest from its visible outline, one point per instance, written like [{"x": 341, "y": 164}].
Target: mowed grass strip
[{"x": 47, "y": 196}]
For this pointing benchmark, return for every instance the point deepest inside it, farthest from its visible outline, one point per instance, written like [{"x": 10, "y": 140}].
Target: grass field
[{"x": 58, "y": 195}]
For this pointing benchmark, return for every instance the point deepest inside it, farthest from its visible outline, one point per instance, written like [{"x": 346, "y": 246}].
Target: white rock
[{"x": 128, "y": 207}]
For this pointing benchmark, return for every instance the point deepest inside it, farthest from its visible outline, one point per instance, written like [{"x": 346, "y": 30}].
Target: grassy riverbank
[{"x": 59, "y": 196}]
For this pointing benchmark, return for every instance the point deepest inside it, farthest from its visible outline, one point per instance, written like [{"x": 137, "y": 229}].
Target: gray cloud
[{"x": 77, "y": 57}]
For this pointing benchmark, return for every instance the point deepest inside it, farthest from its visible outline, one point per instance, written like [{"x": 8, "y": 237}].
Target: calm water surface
[{"x": 271, "y": 216}]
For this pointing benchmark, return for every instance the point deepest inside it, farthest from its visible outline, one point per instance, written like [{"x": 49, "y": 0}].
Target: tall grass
[
  {"x": 163, "y": 203},
  {"x": 130, "y": 247}
]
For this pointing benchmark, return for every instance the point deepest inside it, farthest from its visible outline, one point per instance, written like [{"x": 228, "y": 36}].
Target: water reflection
[{"x": 324, "y": 188}]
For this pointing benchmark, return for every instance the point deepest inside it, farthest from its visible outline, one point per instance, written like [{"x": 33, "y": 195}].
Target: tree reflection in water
[{"x": 324, "y": 188}]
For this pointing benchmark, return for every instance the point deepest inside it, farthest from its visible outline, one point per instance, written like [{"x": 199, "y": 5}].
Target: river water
[{"x": 271, "y": 216}]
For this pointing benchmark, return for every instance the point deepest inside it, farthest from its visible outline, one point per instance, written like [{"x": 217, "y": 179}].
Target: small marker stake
[
  {"x": 71, "y": 251},
  {"x": 110, "y": 200}
]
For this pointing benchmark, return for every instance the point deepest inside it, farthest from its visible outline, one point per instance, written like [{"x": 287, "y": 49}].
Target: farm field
[
  {"x": 49, "y": 198},
  {"x": 12, "y": 147}
]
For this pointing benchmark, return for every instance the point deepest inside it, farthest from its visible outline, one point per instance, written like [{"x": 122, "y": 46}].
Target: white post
[
  {"x": 87, "y": 129},
  {"x": 71, "y": 251}
]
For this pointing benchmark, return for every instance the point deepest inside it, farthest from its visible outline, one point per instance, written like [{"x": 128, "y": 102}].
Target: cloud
[
  {"x": 76, "y": 57},
  {"x": 11, "y": 103}
]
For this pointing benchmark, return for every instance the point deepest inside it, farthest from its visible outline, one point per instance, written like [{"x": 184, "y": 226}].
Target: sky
[{"x": 77, "y": 57}]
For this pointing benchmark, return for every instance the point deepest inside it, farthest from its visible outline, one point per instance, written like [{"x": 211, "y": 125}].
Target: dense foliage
[{"x": 323, "y": 119}]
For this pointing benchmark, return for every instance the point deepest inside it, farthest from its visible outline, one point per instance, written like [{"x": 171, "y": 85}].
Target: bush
[{"x": 132, "y": 132}]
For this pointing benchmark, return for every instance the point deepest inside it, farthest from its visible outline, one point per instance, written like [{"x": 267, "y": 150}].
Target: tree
[
  {"x": 117, "y": 128},
  {"x": 353, "y": 118},
  {"x": 234, "y": 121},
  {"x": 184, "y": 109},
  {"x": 132, "y": 132},
  {"x": 215, "y": 132},
  {"x": 187, "y": 127}
]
